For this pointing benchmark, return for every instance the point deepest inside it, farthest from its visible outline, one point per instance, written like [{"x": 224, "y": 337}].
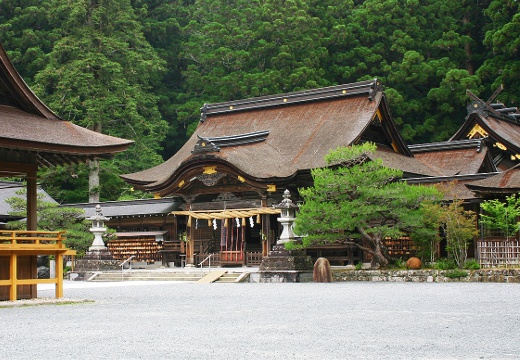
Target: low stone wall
[{"x": 427, "y": 275}]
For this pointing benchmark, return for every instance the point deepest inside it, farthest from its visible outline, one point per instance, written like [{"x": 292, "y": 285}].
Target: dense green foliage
[
  {"x": 360, "y": 202},
  {"x": 449, "y": 220},
  {"x": 502, "y": 215},
  {"x": 141, "y": 69}
]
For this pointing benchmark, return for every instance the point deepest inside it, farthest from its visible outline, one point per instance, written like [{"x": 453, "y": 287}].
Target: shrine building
[{"x": 245, "y": 153}]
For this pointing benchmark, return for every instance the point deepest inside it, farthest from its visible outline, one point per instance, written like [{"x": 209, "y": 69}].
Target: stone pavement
[{"x": 351, "y": 320}]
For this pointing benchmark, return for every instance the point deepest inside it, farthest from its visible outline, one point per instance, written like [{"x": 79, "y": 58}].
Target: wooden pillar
[
  {"x": 13, "y": 275},
  {"x": 32, "y": 196},
  {"x": 190, "y": 253},
  {"x": 32, "y": 222},
  {"x": 59, "y": 275}
]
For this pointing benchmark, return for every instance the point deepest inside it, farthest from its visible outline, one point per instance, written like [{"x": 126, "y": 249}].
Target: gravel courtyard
[{"x": 354, "y": 320}]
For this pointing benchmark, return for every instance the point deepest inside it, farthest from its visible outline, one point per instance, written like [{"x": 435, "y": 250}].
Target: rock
[
  {"x": 43, "y": 272},
  {"x": 322, "y": 271},
  {"x": 414, "y": 263}
]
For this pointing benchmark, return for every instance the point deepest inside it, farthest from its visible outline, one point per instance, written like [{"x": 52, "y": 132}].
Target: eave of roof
[
  {"x": 29, "y": 126},
  {"x": 300, "y": 128},
  {"x": 506, "y": 181}
]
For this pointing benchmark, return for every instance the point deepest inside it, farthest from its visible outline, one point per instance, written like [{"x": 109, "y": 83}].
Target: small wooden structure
[
  {"x": 17, "y": 252},
  {"x": 33, "y": 136}
]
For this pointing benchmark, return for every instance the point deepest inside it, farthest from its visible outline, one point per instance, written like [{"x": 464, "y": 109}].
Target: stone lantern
[
  {"x": 283, "y": 265},
  {"x": 286, "y": 218},
  {"x": 98, "y": 229}
]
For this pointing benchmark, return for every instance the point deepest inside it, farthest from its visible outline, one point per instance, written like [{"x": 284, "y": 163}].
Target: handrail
[
  {"x": 209, "y": 261},
  {"x": 123, "y": 263},
  {"x": 28, "y": 238}
]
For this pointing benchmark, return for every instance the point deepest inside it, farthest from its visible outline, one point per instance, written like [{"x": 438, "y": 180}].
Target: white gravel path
[{"x": 354, "y": 320}]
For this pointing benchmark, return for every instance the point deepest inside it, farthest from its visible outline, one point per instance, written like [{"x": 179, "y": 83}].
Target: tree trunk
[
  {"x": 376, "y": 248},
  {"x": 93, "y": 181}
]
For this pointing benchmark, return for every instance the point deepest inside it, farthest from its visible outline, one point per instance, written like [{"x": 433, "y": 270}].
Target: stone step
[
  {"x": 147, "y": 276},
  {"x": 229, "y": 278}
]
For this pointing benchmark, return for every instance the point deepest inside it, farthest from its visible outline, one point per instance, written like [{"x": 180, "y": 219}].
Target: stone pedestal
[
  {"x": 282, "y": 265},
  {"x": 92, "y": 262}
]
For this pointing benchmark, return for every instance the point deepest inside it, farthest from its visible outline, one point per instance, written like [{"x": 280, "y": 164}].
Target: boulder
[{"x": 322, "y": 272}]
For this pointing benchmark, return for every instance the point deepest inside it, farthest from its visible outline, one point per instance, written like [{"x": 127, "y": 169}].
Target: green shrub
[
  {"x": 444, "y": 264},
  {"x": 471, "y": 265},
  {"x": 398, "y": 264},
  {"x": 456, "y": 273},
  {"x": 359, "y": 266}
]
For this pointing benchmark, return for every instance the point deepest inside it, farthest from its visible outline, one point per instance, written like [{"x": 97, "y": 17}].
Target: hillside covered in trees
[{"x": 141, "y": 69}]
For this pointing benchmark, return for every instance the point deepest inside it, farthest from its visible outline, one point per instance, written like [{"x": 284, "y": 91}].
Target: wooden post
[
  {"x": 59, "y": 275},
  {"x": 32, "y": 196},
  {"x": 190, "y": 253},
  {"x": 13, "y": 274}
]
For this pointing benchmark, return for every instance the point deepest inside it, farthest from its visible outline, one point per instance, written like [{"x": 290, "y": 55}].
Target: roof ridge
[{"x": 370, "y": 87}]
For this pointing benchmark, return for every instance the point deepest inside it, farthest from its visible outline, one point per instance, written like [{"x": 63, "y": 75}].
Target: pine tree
[{"x": 100, "y": 76}]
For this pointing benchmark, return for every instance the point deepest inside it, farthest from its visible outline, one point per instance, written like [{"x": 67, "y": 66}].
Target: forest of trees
[{"x": 142, "y": 69}]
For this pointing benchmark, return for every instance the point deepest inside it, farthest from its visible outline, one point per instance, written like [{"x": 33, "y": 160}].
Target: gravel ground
[{"x": 353, "y": 320}]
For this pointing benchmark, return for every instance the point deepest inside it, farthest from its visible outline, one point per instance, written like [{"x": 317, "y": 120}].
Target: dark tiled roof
[
  {"x": 28, "y": 125},
  {"x": 8, "y": 189},
  {"x": 129, "y": 208}
]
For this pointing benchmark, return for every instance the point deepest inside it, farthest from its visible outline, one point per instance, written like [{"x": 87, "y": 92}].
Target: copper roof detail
[
  {"x": 209, "y": 144},
  {"x": 369, "y": 87}
]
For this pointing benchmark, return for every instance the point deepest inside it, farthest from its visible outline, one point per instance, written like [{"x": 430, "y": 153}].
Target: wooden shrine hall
[
  {"x": 245, "y": 153},
  {"x": 33, "y": 136}
]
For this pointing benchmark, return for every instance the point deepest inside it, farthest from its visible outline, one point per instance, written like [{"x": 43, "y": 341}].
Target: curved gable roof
[{"x": 274, "y": 137}]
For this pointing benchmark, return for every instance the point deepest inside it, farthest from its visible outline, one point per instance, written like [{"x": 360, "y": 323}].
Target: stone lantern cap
[
  {"x": 98, "y": 218},
  {"x": 286, "y": 202}
]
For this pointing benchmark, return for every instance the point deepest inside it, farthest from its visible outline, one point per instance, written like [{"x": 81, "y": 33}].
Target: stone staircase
[
  {"x": 143, "y": 275},
  {"x": 233, "y": 277}
]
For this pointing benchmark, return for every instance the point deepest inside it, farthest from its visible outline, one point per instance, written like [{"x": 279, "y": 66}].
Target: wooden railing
[
  {"x": 31, "y": 243},
  {"x": 49, "y": 240}
]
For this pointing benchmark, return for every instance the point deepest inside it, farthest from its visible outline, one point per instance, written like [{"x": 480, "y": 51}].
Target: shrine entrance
[{"x": 232, "y": 237}]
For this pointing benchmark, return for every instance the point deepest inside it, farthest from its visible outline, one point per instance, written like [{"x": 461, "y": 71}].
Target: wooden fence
[{"x": 498, "y": 253}]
